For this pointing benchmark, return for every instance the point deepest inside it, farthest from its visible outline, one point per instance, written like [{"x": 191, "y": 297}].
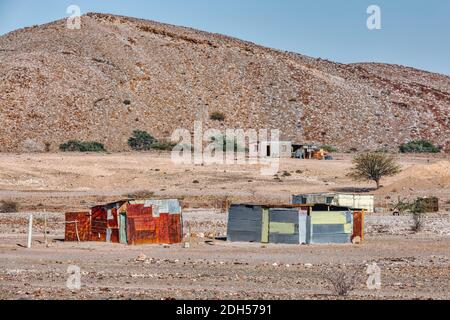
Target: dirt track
[{"x": 413, "y": 265}]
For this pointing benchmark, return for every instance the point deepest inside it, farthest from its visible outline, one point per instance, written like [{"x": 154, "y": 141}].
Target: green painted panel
[
  {"x": 265, "y": 226},
  {"x": 283, "y": 228},
  {"x": 123, "y": 229}
]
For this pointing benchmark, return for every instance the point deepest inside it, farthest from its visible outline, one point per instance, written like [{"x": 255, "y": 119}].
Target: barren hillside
[{"x": 118, "y": 74}]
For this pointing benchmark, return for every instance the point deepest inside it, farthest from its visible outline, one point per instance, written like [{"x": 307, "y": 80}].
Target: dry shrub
[
  {"x": 143, "y": 194},
  {"x": 8, "y": 206},
  {"x": 342, "y": 281},
  {"x": 417, "y": 222}
]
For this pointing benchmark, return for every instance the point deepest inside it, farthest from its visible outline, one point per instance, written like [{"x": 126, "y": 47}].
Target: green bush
[
  {"x": 419, "y": 146},
  {"x": 141, "y": 141},
  {"x": 217, "y": 116},
  {"x": 220, "y": 139},
  {"x": 329, "y": 148},
  {"x": 82, "y": 146},
  {"x": 163, "y": 145}
]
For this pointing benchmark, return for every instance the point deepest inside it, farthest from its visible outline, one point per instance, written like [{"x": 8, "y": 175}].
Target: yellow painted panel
[
  {"x": 328, "y": 217},
  {"x": 265, "y": 226},
  {"x": 283, "y": 228},
  {"x": 348, "y": 228}
]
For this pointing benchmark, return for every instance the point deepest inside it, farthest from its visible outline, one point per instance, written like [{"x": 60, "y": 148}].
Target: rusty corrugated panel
[
  {"x": 175, "y": 231},
  {"x": 98, "y": 223},
  {"x": 141, "y": 230},
  {"x": 358, "y": 225},
  {"x": 144, "y": 227},
  {"x": 82, "y": 225},
  {"x": 138, "y": 210}
]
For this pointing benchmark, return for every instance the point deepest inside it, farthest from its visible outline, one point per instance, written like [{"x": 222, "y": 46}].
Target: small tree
[
  {"x": 329, "y": 148},
  {"x": 82, "y": 146},
  {"x": 374, "y": 166},
  {"x": 217, "y": 116},
  {"x": 141, "y": 141},
  {"x": 419, "y": 146}
]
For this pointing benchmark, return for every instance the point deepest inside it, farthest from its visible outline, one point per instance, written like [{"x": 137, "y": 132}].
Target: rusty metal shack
[{"x": 128, "y": 222}]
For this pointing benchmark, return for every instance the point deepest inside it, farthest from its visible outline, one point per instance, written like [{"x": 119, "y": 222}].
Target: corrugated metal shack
[
  {"x": 151, "y": 222},
  {"x": 330, "y": 227},
  {"x": 104, "y": 222},
  {"x": 294, "y": 224},
  {"x": 128, "y": 222}
]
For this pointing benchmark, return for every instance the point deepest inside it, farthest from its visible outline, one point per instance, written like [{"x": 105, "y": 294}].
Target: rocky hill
[{"x": 117, "y": 74}]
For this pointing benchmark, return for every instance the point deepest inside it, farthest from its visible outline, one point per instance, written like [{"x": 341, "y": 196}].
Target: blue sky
[{"x": 414, "y": 33}]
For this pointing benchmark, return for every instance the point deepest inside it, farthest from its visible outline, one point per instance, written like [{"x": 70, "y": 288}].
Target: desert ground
[{"x": 414, "y": 265}]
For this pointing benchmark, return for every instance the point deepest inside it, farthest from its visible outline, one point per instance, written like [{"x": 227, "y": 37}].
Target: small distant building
[
  {"x": 128, "y": 222},
  {"x": 307, "y": 151},
  {"x": 272, "y": 149},
  {"x": 352, "y": 201},
  {"x": 287, "y": 149}
]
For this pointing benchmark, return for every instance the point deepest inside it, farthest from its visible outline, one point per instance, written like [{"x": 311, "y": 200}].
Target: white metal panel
[{"x": 357, "y": 201}]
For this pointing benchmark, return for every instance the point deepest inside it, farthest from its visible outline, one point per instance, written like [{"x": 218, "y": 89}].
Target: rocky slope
[{"x": 117, "y": 74}]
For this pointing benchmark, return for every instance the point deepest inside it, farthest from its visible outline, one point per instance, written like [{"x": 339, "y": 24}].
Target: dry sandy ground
[
  {"x": 76, "y": 181},
  {"x": 413, "y": 265}
]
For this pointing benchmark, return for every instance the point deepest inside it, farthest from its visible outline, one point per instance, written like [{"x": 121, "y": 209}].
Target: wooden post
[
  {"x": 189, "y": 233},
  {"x": 76, "y": 230},
  {"x": 45, "y": 227},
  {"x": 30, "y": 231}
]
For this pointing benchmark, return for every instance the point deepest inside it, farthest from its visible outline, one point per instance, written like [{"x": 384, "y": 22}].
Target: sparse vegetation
[
  {"x": 286, "y": 174},
  {"x": 374, "y": 166},
  {"x": 417, "y": 209},
  {"x": 217, "y": 116},
  {"x": 143, "y": 194},
  {"x": 141, "y": 141},
  {"x": 418, "y": 221},
  {"x": 226, "y": 142},
  {"x": 329, "y": 148},
  {"x": 163, "y": 145},
  {"x": 419, "y": 146},
  {"x": 343, "y": 282},
  {"x": 82, "y": 146},
  {"x": 8, "y": 206}
]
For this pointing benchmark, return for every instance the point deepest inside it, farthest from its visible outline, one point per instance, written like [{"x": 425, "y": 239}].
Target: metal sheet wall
[
  {"x": 284, "y": 226},
  {"x": 83, "y": 225},
  {"x": 245, "y": 223},
  {"x": 358, "y": 225},
  {"x": 143, "y": 227},
  {"x": 330, "y": 227}
]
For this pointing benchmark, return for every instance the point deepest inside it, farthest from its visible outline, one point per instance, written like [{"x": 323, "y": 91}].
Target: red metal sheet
[
  {"x": 82, "y": 225},
  {"x": 113, "y": 222},
  {"x": 143, "y": 228},
  {"x": 358, "y": 225}
]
